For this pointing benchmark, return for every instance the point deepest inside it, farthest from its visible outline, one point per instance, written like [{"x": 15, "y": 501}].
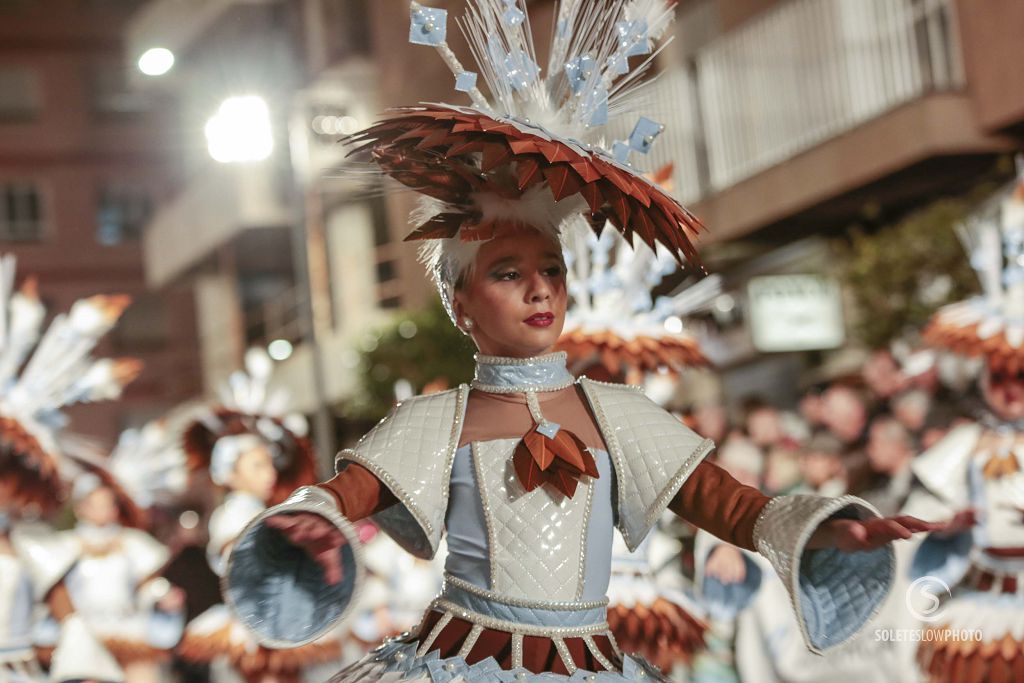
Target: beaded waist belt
[
  {"x": 986, "y": 579},
  {"x": 1005, "y": 552},
  {"x": 557, "y": 637}
]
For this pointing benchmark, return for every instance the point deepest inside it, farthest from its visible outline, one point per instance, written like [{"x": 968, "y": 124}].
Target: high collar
[
  {"x": 999, "y": 424},
  {"x": 97, "y": 535},
  {"x": 500, "y": 375}
]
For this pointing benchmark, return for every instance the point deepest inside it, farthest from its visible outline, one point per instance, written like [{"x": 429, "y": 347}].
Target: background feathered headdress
[
  {"x": 147, "y": 467},
  {"x": 248, "y": 406},
  {"x": 40, "y": 375},
  {"x": 614, "y": 320},
  {"x": 991, "y": 325}
]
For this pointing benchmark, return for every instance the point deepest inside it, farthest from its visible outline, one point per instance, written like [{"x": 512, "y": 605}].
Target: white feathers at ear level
[{"x": 536, "y": 208}]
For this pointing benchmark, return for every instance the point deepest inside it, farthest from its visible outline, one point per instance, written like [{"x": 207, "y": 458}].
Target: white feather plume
[
  {"x": 249, "y": 392},
  {"x": 593, "y": 39},
  {"x": 149, "y": 463},
  {"x": 39, "y": 376},
  {"x": 993, "y": 237},
  {"x": 611, "y": 286}
]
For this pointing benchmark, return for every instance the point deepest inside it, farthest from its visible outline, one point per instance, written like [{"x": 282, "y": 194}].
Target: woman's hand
[
  {"x": 173, "y": 601},
  {"x": 726, "y": 564},
  {"x": 317, "y": 536},
  {"x": 851, "y": 535},
  {"x": 961, "y": 521}
]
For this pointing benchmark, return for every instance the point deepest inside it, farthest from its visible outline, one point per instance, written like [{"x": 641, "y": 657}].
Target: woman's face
[
  {"x": 98, "y": 508},
  {"x": 515, "y": 295},
  {"x": 254, "y": 473},
  {"x": 1004, "y": 393}
]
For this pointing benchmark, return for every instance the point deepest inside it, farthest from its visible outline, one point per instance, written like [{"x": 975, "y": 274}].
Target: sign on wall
[{"x": 795, "y": 312}]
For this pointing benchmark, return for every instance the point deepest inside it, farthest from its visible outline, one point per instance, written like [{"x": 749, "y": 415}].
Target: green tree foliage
[
  {"x": 421, "y": 347},
  {"x": 899, "y": 275}
]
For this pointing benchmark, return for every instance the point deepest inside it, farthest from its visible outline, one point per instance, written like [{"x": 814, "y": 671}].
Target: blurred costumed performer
[
  {"x": 616, "y": 330},
  {"x": 748, "y": 604},
  {"x": 257, "y": 450},
  {"x": 33, "y": 444},
  {"x": 527, "y": 470},
  {"x": 977, "y": 470},
  {"x": 107, "y": 564}
]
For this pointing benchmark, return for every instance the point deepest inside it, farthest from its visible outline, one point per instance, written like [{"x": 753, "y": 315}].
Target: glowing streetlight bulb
[
  {"x": 156, "y": 61},
  {"x": 279, "y": 349},
  {"x": 673, "y": 324},
  {"x": 240, "y": 130}
]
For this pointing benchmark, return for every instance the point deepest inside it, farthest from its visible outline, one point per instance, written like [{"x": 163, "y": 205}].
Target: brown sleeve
[
  {"x": 712, "y": 500},
  {"x": 59, "y": 601},
  {"x": 358, "y": 492}
]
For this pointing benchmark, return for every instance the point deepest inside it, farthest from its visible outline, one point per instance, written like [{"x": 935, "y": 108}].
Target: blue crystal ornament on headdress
[
  {"x": 588, "y": 78},
  {"x": 429, "y": 26}
]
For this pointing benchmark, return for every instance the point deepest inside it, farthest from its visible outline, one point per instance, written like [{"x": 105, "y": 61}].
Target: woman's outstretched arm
[
  {"x": 713, "y": 500},
  {"x": 358, "y": 492}
]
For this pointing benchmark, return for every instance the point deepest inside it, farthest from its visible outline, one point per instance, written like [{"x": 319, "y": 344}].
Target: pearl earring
[{"x": 467, "y": 324}]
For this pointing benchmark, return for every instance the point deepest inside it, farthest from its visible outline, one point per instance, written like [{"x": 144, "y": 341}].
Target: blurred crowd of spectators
[{"x": 857, "y": 434}]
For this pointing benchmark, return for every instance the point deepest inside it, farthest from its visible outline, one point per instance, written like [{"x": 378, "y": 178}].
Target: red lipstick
[{"x": 540, "y": 319}]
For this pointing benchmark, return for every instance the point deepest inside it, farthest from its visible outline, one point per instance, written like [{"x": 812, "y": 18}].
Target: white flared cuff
[
  {"x": 833, "y": 593},
  {"x": 277, "y": 590}
]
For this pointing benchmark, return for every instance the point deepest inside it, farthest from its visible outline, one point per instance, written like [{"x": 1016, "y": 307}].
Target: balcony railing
[{"x": 813, "y": 69}]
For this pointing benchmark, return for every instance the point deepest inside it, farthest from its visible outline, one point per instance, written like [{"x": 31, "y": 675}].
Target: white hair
[
  {"x": 226, "y": 452},
  {"x": 85, "y": 483}
]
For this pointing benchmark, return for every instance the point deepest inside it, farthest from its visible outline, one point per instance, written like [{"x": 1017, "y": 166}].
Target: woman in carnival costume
[
  {"x": 977, "y": 471},
  {"x": 256, "y": 450},
  {"x": 107, "y": 565},
  {"x": 528, "y": 469},
  {"x": 615, "y": 329},
  {"x": 33, "y": 467}
]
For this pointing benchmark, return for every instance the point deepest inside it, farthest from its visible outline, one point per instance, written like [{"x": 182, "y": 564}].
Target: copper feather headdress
[
  {"x": 535, "y": 152},
  {"x": 247, "y": 405}
]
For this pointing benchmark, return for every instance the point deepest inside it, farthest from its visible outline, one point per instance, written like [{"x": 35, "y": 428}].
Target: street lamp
[
  {"x": 240, "y": 131},
  {"x": 280, "y": 349},
  {"x": 156, "y": 61},
  {"x": 673, "y": 324}
]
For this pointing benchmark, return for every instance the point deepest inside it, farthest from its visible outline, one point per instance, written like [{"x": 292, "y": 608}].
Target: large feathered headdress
[
  {"x": 535, "y": 152},
  {"x": 60, "y": 371},
  {"x": 247, "y": 407},
  {"x": 991, "y": 325}
]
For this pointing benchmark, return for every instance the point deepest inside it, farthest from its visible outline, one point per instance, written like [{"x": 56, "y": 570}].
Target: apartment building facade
[{"x": 82, "y": 167}]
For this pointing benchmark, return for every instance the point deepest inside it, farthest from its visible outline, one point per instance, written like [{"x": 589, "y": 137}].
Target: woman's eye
[
  {"x": 508, "y": 275},
  {"x": 554, "y": 271}
]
